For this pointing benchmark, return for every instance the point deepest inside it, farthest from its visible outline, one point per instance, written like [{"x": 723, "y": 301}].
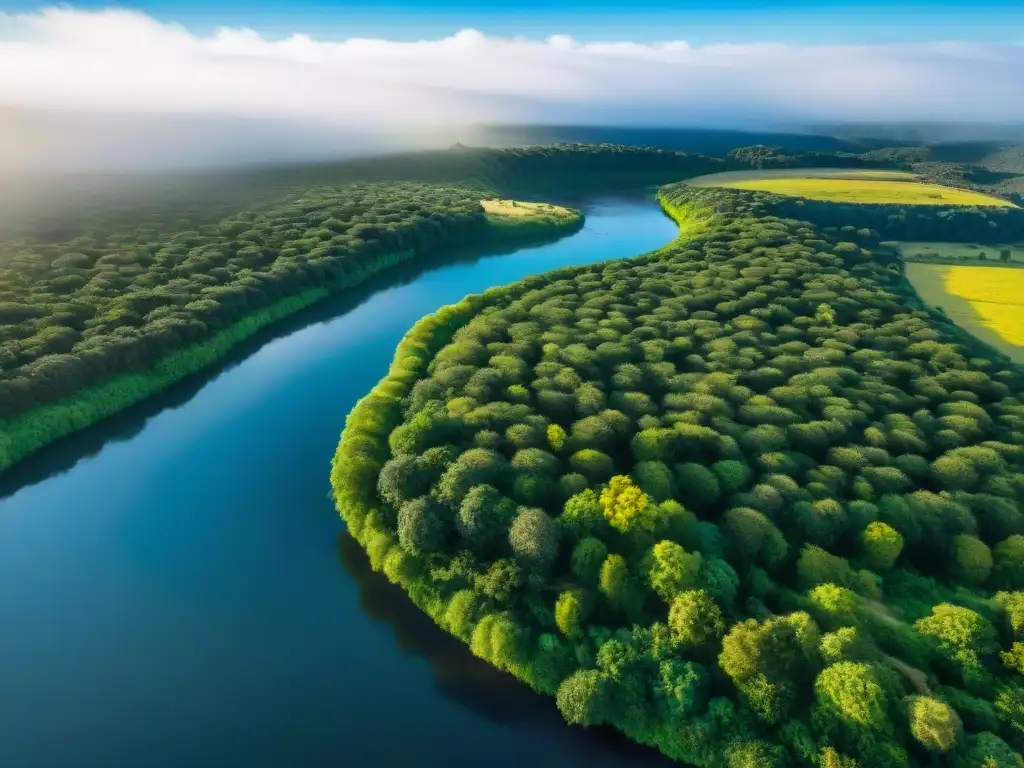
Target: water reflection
[{"x": 461, "y": 677}]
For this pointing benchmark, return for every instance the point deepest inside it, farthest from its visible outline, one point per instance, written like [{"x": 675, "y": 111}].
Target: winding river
[{"x": 176, "y": 589}]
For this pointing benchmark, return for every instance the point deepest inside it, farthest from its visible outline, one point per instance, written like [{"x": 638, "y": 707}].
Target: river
[{"x": 177, "y": 591}]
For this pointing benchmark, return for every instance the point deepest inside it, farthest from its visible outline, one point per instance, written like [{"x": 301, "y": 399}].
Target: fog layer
[{"x": 121, "y": 88}]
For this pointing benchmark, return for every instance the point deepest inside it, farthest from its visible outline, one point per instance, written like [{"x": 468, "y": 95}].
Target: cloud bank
[{"x": 121, "y": 62}]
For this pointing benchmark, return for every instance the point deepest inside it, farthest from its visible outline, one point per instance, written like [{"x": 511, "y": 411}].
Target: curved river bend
[{"x": 176, "y": 589}]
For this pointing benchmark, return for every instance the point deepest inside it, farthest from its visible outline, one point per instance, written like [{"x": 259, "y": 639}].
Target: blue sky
[{"x": 699, "y": 22}]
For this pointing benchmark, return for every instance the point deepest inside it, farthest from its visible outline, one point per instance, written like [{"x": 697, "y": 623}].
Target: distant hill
[
  {"x": 703, "y": 141},
  {"x": 1008, "y": 160},
  {"x": 923, "y": 133}
]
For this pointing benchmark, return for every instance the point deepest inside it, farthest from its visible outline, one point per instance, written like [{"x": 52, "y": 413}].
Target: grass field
[
  {"x": 986, "y": 301},
  {"x": 516, "y": 209},
  {"x": 727, "y": 178},
  {"x": 961, "y": 252},
  {"x": 846, "y": 186}
]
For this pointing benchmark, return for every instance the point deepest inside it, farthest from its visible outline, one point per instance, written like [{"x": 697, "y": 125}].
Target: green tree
[
  {"x": 616, "y": 583},
  {"x": 851, "y": 705},
  {"x": 882, "y": 545},
  {"x": 672, "y": 569},
  {"x": 972, "y": 560},
  {"x": 626, "y": 506},
  {"x": 592, "y": 464},
  {"x": 934, "y": 723},
  {"x": 484, "y": 515},
  {"x": 655, "y": 479},
  {"x": 534, "y": 539},
  {"x": 961, "y": 635},
  {"x": 401, "y": 480},
  {"x": 732, "y": 475},
  {"x": 587, "y": 558},
  {"x": 755, "y": 754},
  {"x": 839, "y": 604},
  {"x": 845, "y": 644},
  {"x": 683, "y": 687},
  {"x": 582, "y": 698},
  {"x": 556, "y": 437},
  {"x": 695, "y": 619},
  {"x": 460, "y": 613},
  {"x": 477, "y": 466},
  {"x": 1008, "y": 563},
  {"x": 570, "y": 613},
  {"x": 422, "y": 527},
  {"x": 816, "y": 566},
  {"x": 582, "y": 515},
  {"x": 770, "y": 661},
  {"x": 698, "y": 486},
  {"x": 987, "y": 751}
]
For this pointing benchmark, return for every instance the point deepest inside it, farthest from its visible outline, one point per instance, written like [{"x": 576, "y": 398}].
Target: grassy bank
[{"x": 28, "y": 432}]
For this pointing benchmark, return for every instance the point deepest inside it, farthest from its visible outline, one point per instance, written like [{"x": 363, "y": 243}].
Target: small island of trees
[{"x": 739, "y": 498}]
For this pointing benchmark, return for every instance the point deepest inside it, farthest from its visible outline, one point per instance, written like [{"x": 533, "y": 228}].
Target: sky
[
  {"x": 307, "y": 70},
  {"x": 697, "y": 21}
]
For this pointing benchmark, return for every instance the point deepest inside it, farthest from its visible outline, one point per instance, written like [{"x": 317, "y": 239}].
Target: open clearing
[
  {"x": 849, "y": 186},
  {"x": 986, "y": 301},
  {"x": 516, "y": 209},
  {"x": 952, "y": 253}
]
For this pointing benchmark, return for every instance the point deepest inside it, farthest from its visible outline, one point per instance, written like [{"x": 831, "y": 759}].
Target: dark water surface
[{"x": 177, "y": 591}]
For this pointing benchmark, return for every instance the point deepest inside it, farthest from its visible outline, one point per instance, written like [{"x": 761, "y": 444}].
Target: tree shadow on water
[{"x": 475, "y": 685}]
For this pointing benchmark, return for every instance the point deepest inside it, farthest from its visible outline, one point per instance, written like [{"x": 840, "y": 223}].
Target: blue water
[{"x": 177, "y": 590}]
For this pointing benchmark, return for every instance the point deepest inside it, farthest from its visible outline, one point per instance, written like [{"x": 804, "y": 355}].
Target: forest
[
  {"x": 109, "y": 292},
  {"x": 744, "y": 499},
  {"x": 101, "y": 280}
]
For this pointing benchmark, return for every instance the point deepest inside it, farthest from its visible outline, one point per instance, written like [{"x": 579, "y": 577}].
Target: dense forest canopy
[
  {"x": 112, "y": 287},
  {"x": 737, "y": 498},
  {"x": 116, "y": 285}
]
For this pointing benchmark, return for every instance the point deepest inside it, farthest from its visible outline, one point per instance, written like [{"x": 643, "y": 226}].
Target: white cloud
[{"x": 121, "y": 61}]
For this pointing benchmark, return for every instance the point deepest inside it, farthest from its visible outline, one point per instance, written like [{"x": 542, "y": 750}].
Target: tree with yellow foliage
[{"x": 625, "y": 506}]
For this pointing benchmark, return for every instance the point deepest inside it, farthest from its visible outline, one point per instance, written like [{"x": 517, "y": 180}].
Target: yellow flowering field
[
  {"x": 987, "y": 301},
  {"x": 850, "y": 186}
]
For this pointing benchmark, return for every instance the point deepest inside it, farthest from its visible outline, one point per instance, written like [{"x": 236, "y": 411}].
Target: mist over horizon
[{"x": 112, "y": 89}]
